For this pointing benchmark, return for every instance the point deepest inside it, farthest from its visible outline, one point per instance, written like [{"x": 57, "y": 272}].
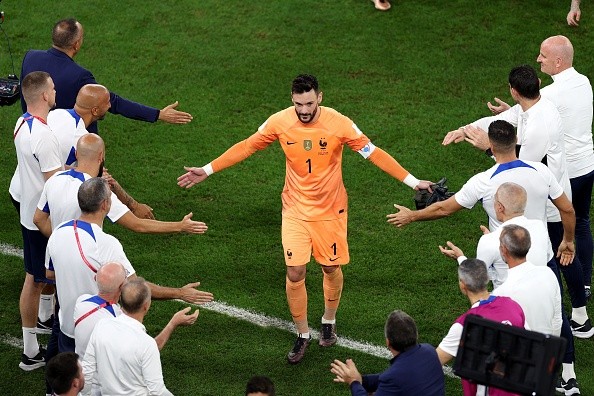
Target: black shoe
[
  {"x": 29, "y": 364},
  {"x": 568, "y": 388},
  {"x": 45, "y": 327},
  {"x": 298, "y": 350},
  {"x": 582, "y": 330},
  {"x": 328, "y": 335}
]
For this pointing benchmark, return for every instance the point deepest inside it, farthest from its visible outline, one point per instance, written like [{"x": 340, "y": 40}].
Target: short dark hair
[
  {"x": 65, "y": 33},
  {"x": 33, "y": 84},
  {"x": 525, "y": 80},
  {"x": 92, "y": 193},
  {"x": 304, "y": 83},
  {"x": 502, "y": 136},
  {"x": 516, "y": 240},
  {"x": 135, "y": 293},
  {"x": 260, "y": 383},
  {"x": 61, "y": 370},
  {"x": 401, "y": 331},
  {"x": 473, "y": 272}
]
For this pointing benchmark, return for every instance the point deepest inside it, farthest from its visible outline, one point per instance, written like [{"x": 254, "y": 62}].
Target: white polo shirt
[
  {"x": 540, "y": 135},
  {"x": 537, "y": 291},
  {"x": 87, "y": 315},
  {"x": 540, "y": 251},
  {"x": 538, "y": 181},
  {"x": 68, "y": 127},
  {"x": 571, "y": 92},
  {"x": 74, "y": 276},
  {"x": 124, "y": 359},
  {"x": 59, "y": 198},
  {"x": 37, "y": 151}
]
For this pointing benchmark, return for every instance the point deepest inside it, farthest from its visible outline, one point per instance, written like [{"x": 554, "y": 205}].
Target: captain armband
[{"x": 367, "y": 150}]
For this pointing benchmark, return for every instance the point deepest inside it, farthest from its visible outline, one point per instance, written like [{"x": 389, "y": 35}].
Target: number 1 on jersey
[{"x": 309, "y": 165}]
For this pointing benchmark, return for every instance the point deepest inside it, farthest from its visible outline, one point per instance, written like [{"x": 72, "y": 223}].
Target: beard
[{"x": 308, "y": 117}]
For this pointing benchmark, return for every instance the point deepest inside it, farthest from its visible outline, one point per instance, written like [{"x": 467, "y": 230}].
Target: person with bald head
[
  {"x": 91, "y": 308},
  {"x": 70, "y": 77},
  {"x": 77, "y": 249},
  {"x": 92, "y": 104},
  {"x": 121, "y": 356},
  {"x": 571, "y": 92},
  {"x": 509, "y": 204},
  {"x": 58, "y": 202}
]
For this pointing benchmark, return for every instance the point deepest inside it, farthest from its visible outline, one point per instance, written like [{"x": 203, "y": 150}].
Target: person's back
[
  {"x": 415, "y": 371},
  {"x": 535, "y": 177},
  {"x": 65, "y": 72},
  {"x": 571, "y": 92},
  {"x": 120, "y": 345}
]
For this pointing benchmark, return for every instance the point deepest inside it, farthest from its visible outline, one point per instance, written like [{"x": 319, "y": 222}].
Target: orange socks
[
  {"x": 297, "y": 299},
  {"x": 333, "y": 289}
]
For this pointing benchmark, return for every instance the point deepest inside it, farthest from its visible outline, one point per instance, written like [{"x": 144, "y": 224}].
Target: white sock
[
  {"x": 568, "y": 372},
  {"x": 579, "y": 315},
  {"x": 46, "y": 307},
  {"x": 30, "y": 345},
  {"x": 328, "y": 321},
  {"x": 304, "y": 335}
]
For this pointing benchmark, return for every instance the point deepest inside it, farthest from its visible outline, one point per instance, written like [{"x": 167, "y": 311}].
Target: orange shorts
[{"x": 327, "y": 240}]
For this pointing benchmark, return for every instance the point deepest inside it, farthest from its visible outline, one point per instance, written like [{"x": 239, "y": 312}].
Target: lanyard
[
  {"x": 92, "y": 311},
  {"x": 82, "y": 255},
  {"x": 25, "y": 120}
]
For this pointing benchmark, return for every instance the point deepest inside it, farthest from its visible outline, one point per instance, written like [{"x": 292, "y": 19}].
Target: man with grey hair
[
  {"x": 473, "y": 280},
  {"x": 509, "y": 204},
  {"x": 78, "y": 248},
  {"x": 122, "y": 356},
  {"x": 414, "y": 368}
]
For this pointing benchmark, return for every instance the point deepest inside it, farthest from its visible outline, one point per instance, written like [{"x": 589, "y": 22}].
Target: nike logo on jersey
[
  {"x": 290, "y": 143},
  {"x": 334, "y": 259}
]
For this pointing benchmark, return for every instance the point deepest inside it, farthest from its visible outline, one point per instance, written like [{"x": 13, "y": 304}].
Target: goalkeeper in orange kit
[{"x": 314, "y": 214}]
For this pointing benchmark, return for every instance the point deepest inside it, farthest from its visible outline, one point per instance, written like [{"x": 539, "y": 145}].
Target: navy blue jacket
[
  {"x": 69, "y": 77},
  {"x": 416, "y": 371}
]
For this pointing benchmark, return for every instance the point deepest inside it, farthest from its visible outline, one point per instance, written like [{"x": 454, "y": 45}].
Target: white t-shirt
[
  {"x": 38, "y": 151},
  {"x": 68, "y": 127},
  {"x": 124, "y": 358},
  {"x": 571, "y": 92},
  {"x": 540, "y": 251},
  {"x": 540, "y": 135},
  {"x": 87, "y": 315},
  {"x": 59, "y": 198},
  {"x": 538, "y": 181},
  {"x": 74, "y": 276},
  {"x": 537, "y": 291}
]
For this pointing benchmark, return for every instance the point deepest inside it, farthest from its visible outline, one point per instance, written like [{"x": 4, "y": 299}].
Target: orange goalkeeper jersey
[{"x": 313, "y": 189}]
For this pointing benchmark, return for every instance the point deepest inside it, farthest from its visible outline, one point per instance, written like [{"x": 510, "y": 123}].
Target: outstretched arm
[
  {"x": 180, "y": 318},
  {"x": 235, "y": 154},
  {"x": 436, "y": 211},
  {"x": 388, "y": 164},
  {"x": 147, "y": 226}
]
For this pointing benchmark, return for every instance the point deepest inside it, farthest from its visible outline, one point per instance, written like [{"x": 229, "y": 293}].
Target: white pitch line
[
  {"x": 9, "y": 250},
  {"x": 247, "y": 315}
]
